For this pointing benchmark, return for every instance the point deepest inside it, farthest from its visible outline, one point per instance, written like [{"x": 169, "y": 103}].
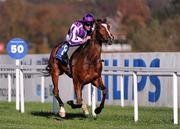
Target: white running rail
[{"x": 120, "y": 71}]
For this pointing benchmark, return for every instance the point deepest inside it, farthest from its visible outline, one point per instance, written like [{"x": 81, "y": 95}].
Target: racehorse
[{"x": 85, "y": 66}]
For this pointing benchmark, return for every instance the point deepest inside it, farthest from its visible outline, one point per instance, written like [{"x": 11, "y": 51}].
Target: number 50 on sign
[{"x": 17, "y": 48}]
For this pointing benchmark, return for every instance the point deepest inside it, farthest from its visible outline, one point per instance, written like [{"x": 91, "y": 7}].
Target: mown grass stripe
[{"x": 39, "y": 116}]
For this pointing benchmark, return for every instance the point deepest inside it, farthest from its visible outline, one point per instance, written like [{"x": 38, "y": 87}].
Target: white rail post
[
  {"x": 122, "y": 90},
  {"x": 175, "y": 99},
  {"x": 17, "y": 85},
  {"x": 22, "y": 90},
  {"x": 89, "y": 94},
  {"x": 135, "y": 97},
  {"x": 93, "y": 101},
  {"x": 42, "y": 89},
  {"x": 9, "y": 88}
]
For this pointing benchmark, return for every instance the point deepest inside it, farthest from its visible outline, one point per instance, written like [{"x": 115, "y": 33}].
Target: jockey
[{"x": 79, "y": 33}]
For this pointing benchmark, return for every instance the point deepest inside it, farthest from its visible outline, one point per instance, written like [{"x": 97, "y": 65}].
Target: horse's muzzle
[{"x": 109, "y": 41}]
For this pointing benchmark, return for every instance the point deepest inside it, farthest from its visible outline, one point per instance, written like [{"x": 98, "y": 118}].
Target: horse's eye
[{"x": 108, "y": 26}]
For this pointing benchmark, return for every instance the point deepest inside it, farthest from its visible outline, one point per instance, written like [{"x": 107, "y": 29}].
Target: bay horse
[{"x": 85, "y": 66}]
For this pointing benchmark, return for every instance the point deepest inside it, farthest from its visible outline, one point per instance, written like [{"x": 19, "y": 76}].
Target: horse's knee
[
  {"x": 104, "y": 90},
  {"x": 55, "y": 92},
  {"x": 55, "y": 74}
]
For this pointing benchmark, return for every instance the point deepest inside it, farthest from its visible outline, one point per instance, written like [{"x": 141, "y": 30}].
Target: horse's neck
[
  {"x": 92, "y": 50},
  {"x": 94, "y": 46},
  {"x": 97, "y": 43}
]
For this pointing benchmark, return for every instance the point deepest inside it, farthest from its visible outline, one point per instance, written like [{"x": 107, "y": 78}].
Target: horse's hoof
[
  {"x": 98, "y": 110},
  {"x": 73, "y": 106},
  {"x": 85, "y": 109},
  {"x": 62, "y": 112},
  {"x": 70, "y": 102},
  {"x": 77, "y": 105}
]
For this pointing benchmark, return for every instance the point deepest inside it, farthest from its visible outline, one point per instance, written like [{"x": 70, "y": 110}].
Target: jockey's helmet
[{"x": 88, "y": 19}]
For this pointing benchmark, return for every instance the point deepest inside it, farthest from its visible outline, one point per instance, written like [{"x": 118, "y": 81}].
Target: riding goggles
[{"x": 89, "y": 23}]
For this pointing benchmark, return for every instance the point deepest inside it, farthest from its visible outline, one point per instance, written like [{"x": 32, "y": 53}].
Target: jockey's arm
[
  {"x": 75, "y": 39},
  {"x": 85, "y": 39}
]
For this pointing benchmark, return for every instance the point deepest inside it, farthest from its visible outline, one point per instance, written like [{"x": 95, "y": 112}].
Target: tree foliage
[
  {"x": 39, "y": 23},
  {"x": 158, "y": 37},
  {"x": 149, "y": 25}
]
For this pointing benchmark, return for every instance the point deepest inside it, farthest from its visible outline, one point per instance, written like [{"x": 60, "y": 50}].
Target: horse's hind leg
[
  {"x": 99, "y": 84},
  {"x": 55, "y": 78},
  {"x": 78, "y": 93}
]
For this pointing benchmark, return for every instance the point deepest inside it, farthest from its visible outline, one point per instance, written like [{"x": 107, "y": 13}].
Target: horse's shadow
[{"x": 69, "y": 116}]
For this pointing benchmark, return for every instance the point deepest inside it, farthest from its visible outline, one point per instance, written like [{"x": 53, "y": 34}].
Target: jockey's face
[{"x": 87, "y": 27}]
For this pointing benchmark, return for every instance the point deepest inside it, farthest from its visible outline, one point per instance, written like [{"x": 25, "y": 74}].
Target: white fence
[
  {"x": 147, "y": 71},
  {"x": 19, "y": 70}
]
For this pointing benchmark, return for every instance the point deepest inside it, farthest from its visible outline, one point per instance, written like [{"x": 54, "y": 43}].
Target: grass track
[{"x": 39, "y": 116}]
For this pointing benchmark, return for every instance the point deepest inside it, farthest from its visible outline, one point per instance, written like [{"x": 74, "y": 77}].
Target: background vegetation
[{"x": 147, "y": 25}]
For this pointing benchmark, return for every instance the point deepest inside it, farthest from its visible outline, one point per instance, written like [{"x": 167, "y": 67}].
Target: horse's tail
[{"x": 47, "y": 71}]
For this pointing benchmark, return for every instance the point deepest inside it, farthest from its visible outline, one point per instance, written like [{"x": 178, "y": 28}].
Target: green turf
[{"x": 39, "y": 116}]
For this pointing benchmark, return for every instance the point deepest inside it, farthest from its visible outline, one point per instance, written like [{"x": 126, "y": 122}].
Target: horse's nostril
[
  {"x": 109, "y": 41},
  {"x": 112, "y": 37}
]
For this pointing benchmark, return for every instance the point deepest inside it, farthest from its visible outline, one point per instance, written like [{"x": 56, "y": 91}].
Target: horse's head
[{"x": 103, "y": 33}]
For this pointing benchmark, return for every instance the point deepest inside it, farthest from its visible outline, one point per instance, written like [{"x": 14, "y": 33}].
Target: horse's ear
[
  {"x": 98, "y": 21},
  {"x": 104, "y": 20}
]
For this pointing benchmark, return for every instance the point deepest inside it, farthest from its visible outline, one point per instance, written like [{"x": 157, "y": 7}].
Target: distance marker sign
[{"x": 17, "y": 48}]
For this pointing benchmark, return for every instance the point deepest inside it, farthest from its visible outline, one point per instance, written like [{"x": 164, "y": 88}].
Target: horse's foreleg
[
  {"x": 78, "y": 94},
  {"x": 99, "y": 84},
  {"x": 55, "y": 78}
]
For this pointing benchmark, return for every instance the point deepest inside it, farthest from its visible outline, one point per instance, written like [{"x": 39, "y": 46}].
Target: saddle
[{"x": 66, "y": 59}]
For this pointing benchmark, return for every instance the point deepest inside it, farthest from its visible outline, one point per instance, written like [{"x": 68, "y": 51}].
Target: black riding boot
[{"x": 65, "y": 62}]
